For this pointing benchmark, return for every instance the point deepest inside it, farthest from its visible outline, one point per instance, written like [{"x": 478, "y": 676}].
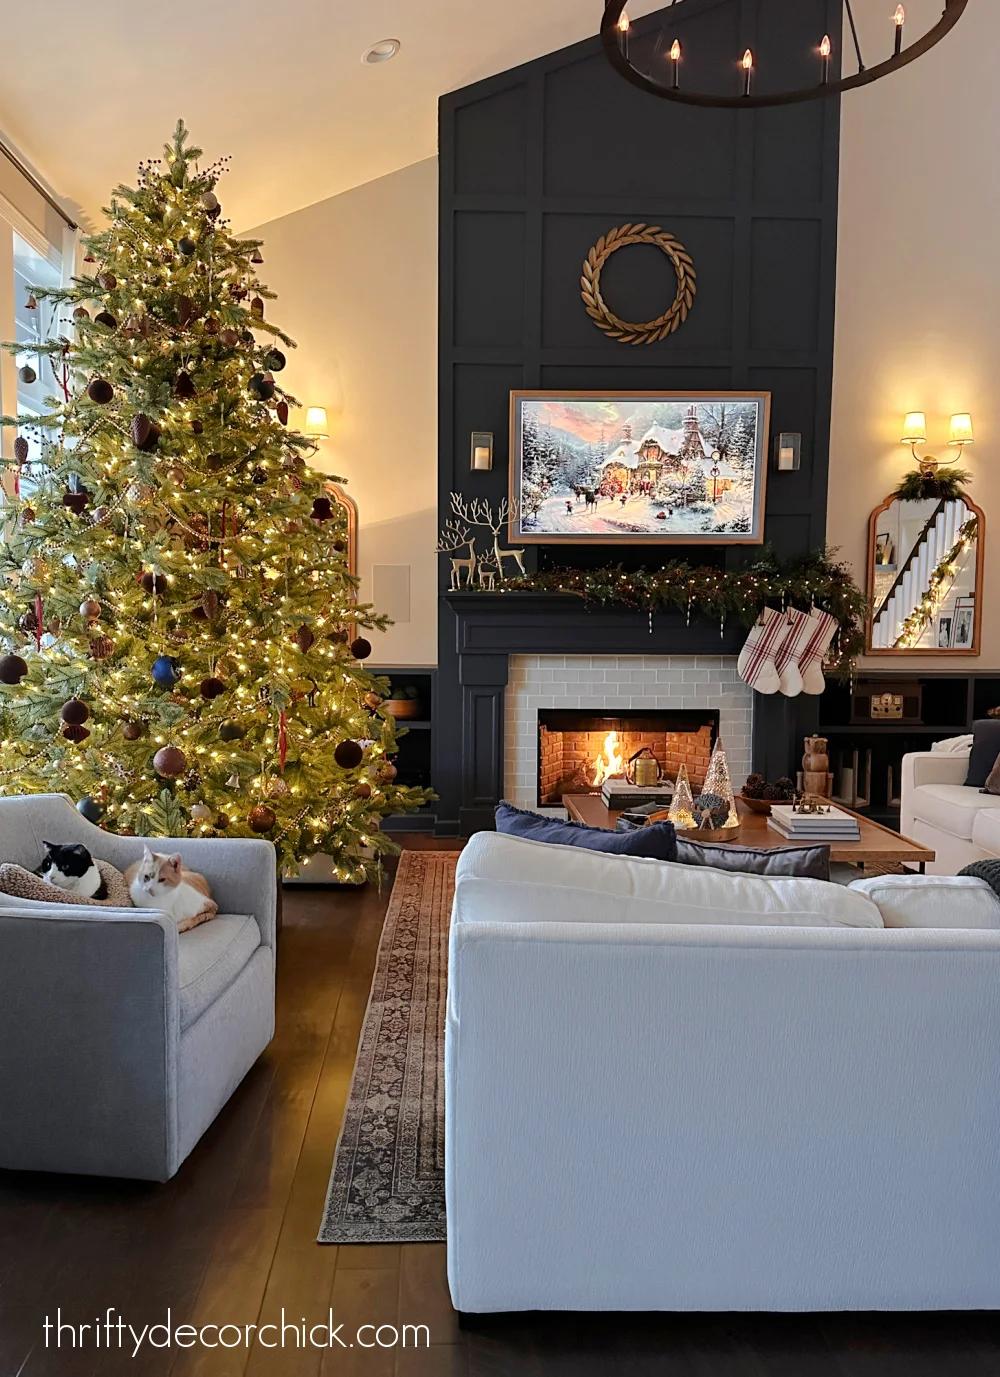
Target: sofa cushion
[
  {"x": 506, "y": 879},
  {"x": 985, "y": 751},
  {"x": 986, "y": 831},
  {"x": 807, "y": 862},
  {"x": 658, "y": 840},
  {"x": 953, "y": 808},
  {"x": 209, "y": 958},
  {"x": 932, "y": 901}
]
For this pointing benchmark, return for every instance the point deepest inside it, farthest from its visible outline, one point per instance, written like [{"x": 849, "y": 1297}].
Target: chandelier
[{"x": 654, "y": 63}]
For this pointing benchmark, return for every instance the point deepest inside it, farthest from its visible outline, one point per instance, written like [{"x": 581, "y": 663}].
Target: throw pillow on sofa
[
  {"x": 932, "y": 901},
  {"x": 657, "y": 842},
  {"x": 805, "y": 862},
  {"x": 985, "y": 751}
]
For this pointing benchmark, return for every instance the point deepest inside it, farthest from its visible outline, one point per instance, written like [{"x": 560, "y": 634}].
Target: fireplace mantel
[{"x": 480, "y": 631}]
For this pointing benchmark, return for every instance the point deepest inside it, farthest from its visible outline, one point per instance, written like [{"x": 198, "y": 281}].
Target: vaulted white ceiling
[{"x": 89, "y": 91}]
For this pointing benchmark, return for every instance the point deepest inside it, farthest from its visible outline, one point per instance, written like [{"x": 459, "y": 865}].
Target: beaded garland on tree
[{"x": 179, "y": 574}]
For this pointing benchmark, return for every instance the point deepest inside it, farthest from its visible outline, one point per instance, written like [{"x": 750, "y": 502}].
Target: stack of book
[
  {"x": 617, "y": 793},
  {"x": 836, "y": 825}
]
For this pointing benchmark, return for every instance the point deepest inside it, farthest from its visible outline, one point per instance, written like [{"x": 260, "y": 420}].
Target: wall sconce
[
  {"x": 915, "y": 433},
  {"x": 788, "y": 451},
  {"x": 316, "y": 426},
  {"x": 481, "y": 451}
]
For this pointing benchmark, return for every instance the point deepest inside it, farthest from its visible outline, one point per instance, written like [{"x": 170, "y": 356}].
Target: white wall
[
  {"x": 918, "y": 286},
  {"x": 356, "y": 278}
]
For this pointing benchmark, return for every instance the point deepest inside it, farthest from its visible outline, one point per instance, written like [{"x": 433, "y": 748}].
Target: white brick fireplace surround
[{"x": 606, "y": 682}]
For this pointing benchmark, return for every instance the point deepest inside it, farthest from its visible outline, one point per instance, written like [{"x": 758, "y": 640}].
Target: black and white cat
[{"x": 72, "y": 868}]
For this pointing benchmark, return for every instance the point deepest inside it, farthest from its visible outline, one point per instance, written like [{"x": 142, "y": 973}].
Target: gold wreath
[{"x": 651, "y": 330}]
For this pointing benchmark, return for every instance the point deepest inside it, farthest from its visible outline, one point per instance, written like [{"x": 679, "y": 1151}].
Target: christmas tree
[{"x": 180, "y": 641}]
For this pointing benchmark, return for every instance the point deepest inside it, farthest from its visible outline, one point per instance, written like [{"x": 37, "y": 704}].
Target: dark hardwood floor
[{"x": 231, "y": 1240}]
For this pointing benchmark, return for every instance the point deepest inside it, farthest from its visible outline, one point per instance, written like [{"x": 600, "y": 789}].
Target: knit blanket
[{"x": 985, "y": 870}]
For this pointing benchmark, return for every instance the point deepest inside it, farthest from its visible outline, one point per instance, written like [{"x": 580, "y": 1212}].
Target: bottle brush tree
[{"x": 181, "y": 648}]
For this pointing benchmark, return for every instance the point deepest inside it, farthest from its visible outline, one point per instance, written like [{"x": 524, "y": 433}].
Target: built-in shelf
[{"x": 414, "y": 745}]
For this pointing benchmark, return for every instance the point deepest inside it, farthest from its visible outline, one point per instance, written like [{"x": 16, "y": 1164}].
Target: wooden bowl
[
  {"x": 710, "y": 834},
  {"x": 757, "y": 805},
  {"x": 401, "y": 708}
]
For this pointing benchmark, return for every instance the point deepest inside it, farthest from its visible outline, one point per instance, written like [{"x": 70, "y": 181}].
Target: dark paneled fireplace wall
[{"x": 535, "y": 165}]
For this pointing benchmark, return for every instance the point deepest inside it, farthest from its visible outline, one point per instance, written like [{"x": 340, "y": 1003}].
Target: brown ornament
[
  {"x": 108, "y": 281},
  {"x": 53, "y": 626},
  {"x": 27, "y": 374},
  {"x": 106, "y": 318},
  {"x": 28, "y": 623},
  {"x": 197, "y": 428},
  {"x": 281, "y": 411},
  {"x": 21, "y": 450},
  {"x": 133, "y": 731},
  {"x": 372, "y": 700},
  {"x": 209, "y": 201},
  {"x": 27, "y": 516},
  {"x": 348, "y": 755},
  {"x": 321, "y": 509},
  {"x": 229, "y": 338},
  {"x": 304, "y": 638},
  {"x": 210, "y": 602},
  {"x": 361, "y": 648},
  {"x": 101, "y": 647},
  {"x": 257, "y": 308},
  {"x": 221, "y": 822},
  {"x": 153, "y": 583},
  {"x": 256, "y": 256},
  {"x": 387, "y": 771},
  {"x": 362, "y": 789},
  {"x": 211, "y": 687},
  {"x": 170, "y": 762},
  {"x": 12, "y": 669},
  {"x": 211, "y": 326},
  {"x": 31, "y": 304},
  {"x": 140, "y": 494},
  {"x": 74, "y": 712},
  {"x": 145, "y": 433},
  {"x": 184, "y": 388},
  {"x": 232, "y": 731},
  {"x": 341, "y": 636},
  {"x": 100, "y": 514},
  {"x": 91, "y": 609},
  {"x": 185, "y": 310},
  {"x": 261, "y": 818},
  {"x": 76, "y": 501},
  {"x": 76, "y": 734},
  {"x": 81, "y": 313},
  {"x": 100, "y": 391},
  {"x": 277, "y": 789}
]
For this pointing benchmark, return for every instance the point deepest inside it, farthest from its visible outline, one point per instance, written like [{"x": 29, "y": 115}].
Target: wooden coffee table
[{"x": 877, "y": 846}]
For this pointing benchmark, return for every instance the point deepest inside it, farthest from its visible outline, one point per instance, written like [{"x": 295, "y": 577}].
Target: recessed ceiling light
[{"x": 381, "y": 51}]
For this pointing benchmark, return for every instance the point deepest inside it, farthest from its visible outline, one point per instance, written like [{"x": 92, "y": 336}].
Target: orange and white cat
[{"x": 161, "y": 882}]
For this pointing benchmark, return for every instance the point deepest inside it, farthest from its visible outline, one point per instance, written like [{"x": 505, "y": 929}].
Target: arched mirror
[{"x": 925, "y": 576}]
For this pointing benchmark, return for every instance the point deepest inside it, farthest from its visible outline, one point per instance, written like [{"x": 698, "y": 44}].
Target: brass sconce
[{"x": 915, "y": 433}]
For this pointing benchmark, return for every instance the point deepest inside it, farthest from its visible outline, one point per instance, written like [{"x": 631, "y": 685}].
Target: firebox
[{"x": 578, "y": 748}]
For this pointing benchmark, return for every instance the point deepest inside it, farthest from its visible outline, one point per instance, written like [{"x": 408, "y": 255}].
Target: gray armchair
[{"x": 120, "y": 1041}]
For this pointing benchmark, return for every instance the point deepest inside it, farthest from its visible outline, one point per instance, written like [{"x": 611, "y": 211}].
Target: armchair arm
[{"x": 89, "y": 1026}]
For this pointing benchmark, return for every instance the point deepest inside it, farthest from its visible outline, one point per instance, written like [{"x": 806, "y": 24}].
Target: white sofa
[
  {"x": 664, "y": 1091},
  {"x": 962, "y": 824}
]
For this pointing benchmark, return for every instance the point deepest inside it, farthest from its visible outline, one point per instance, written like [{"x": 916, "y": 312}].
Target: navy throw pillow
[
  {"x": 985, "y": 751},
  {"x": 657, "y": 842}
]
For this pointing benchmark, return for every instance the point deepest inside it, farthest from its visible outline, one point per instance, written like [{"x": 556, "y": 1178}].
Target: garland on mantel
[{"x": 720, "y": 593}]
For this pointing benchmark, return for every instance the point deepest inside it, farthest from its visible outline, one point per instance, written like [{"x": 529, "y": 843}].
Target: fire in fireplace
[{"x": 579, "y": 748}]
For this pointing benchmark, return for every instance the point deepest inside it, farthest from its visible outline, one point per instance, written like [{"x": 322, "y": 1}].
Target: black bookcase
[
  {"x": 415, "y": 743},
  {"x": 872, "y": 750}
]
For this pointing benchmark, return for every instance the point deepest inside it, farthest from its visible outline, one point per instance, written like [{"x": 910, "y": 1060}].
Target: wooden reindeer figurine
[
  {"x": 454, "y": 537},
  {"x": 487, "y": 575}
]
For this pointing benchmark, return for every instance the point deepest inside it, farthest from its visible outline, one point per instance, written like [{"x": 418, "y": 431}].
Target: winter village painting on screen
[{"x": 639, "y": 467}]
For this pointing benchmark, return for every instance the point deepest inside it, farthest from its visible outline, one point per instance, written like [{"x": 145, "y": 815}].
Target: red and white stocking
[
  {"x": 756, "y": 662},
  {"x": 823, "y": 628},
  {"x": 790, "y": 652}
]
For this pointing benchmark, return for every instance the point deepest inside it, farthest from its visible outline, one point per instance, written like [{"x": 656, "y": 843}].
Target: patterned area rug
[{"x": 387, "y": 1184}]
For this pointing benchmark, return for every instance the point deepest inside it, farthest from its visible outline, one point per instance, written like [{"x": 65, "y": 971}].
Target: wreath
[{"x": 651, "y": 330}]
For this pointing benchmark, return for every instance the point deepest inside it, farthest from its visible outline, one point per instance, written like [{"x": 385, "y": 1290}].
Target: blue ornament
[
  {"x": 90, "y": 809},
  {"x": 166, "y": 671}
]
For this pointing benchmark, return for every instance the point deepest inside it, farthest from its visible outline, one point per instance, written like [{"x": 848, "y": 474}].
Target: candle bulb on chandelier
[
  {"x": 899, "y": 19},
  {"x": 825, "y": 49},
  {"x": 675, "y": 62},
  {"x": 747, "y": 71},
  {"x": 623, "y": 27}
]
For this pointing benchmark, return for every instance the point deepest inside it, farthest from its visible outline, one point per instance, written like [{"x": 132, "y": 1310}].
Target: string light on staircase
[{"x": 635, "y": 51}]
